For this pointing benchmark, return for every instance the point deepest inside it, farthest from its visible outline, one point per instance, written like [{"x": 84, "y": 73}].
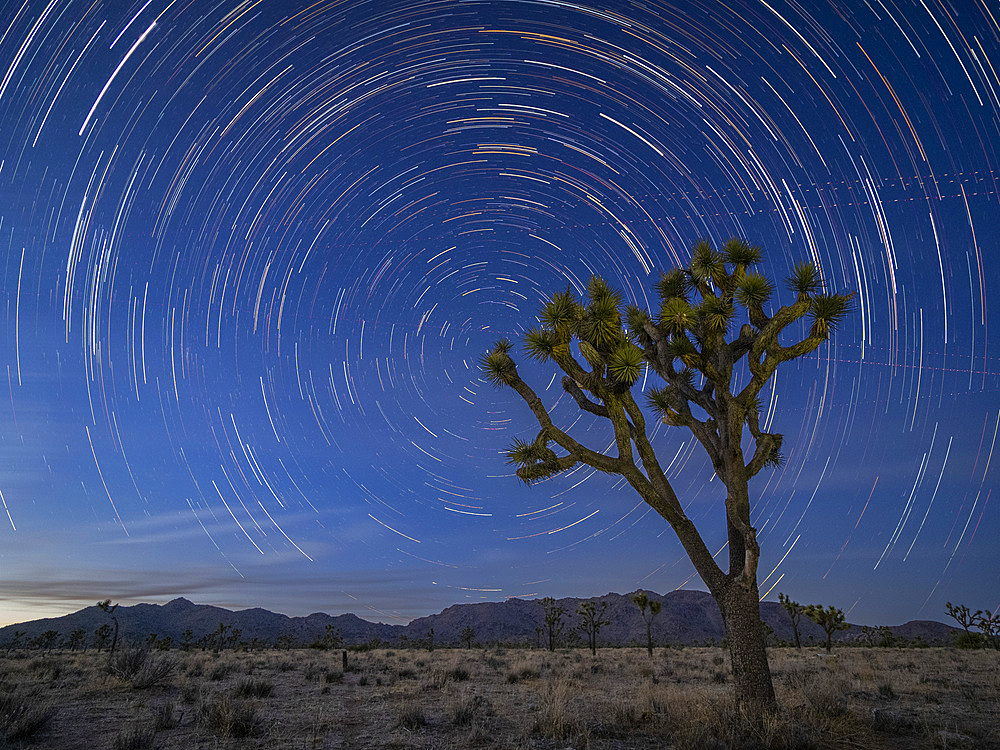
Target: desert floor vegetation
[{"x": 496, "y": 698}]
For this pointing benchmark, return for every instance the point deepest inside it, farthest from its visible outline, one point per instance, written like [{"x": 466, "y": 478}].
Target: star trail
[{"x": 253, "y": 251}]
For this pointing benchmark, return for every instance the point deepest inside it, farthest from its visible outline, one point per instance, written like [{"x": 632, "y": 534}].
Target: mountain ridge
[{"x": 687, "y": 617}]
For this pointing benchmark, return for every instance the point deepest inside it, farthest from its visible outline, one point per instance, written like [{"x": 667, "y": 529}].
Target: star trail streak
[{"x": 252, "y": 253}]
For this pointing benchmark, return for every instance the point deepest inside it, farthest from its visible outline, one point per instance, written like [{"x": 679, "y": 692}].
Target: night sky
[{"x": 252, "y": 253}]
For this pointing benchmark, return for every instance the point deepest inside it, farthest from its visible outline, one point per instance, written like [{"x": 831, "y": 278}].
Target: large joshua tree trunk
[{"x": 740, "y": 608}]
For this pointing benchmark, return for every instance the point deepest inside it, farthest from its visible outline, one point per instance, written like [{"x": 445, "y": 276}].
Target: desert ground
[{"x": 494, "y": 698}]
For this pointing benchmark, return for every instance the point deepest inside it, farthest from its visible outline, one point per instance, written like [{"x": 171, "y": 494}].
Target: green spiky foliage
[
  {"x": 710, "y": 347},
  {"x": 804, "y": 279},
  {"x": 739, "y": 254}
]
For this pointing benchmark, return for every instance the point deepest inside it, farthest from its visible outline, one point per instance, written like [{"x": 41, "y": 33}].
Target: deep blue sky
[{"x": 252, "y": 253}]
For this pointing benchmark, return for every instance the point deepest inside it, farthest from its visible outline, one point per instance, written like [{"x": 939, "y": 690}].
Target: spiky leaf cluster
[
  {"x": 676, "y": 315},
  {"x": 540, "y": 344},
  {"x": 754, "y": 290},
  {"x": 804, "y": 279},
  {"x": 663, "y": 402},
  {"x": 740, "y": 254},
  {"x": 637, "y": 319},
  {"x": 674, "y": 283},
  {"x": 707, "y": 264},
  {"x": 828, "y": 312},
  {"x": 601, "y": 323},
  {"x": 496, "y": 365},
  {"x": 534, "y": 461},
  {"x": 561, "y": 314},
  {"x": 715, "y": 313},
  {"x": 625, "y": 364}
]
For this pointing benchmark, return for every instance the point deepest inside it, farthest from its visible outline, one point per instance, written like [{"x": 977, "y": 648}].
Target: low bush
[
  {"x": 226, "y": 714},
  {"x": 411, "y": 716},
  {"x": 136, "y": 737},
  {"x": 139, "y": 667},
  {"x": 22, "y": 714},
  {"x": 250, "y": 687}
]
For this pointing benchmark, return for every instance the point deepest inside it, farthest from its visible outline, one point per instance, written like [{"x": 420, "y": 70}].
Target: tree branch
[{"x": 583, "y": 454}]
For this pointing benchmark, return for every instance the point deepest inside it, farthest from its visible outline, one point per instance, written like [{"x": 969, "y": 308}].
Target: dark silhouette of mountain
[{"x": 686, "y": 617}]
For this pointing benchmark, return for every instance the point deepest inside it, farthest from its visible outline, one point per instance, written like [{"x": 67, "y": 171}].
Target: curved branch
[{"x": 582, "y": 453}]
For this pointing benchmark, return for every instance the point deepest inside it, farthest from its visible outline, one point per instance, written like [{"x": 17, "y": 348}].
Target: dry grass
[{"x": 856, "y": 698}]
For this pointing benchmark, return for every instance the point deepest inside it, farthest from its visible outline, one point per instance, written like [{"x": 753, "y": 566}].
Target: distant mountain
[{"x": 686, "y": 617}]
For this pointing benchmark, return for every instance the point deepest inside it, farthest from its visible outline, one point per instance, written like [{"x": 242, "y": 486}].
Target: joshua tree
[
  {"x": 15, "y": 640},
  {"x": 218, "y": 637},
  {"x": 794, "y": 610},
  {"x": 110, "y": 608},
  {"x": 644, "y": 603},
  {"x": 989, "y": 624},
  {"x": 101, "y": 637},
  {"x": 47, "y": 640},
  {"x": 830, "y": 619},
  {"x": 707, "y": 391},
  {"x": 553, "y": 620},
  {"x": 75, "y": 639},
  {"x": 467, "y": 636},
  {"x": 331, "y": 640},
  {"x": 592, "y": 620},
  {"x": 962, "y": 615}
]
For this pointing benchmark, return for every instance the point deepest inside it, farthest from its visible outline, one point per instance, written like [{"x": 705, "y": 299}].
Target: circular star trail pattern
[{"x": 252, "y": 253}]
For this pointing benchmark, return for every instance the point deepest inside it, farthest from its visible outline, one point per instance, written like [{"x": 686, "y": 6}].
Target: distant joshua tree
[
  {"x": 75, "y": 639},
  {"x": 110, "y": 608},
  {"x": 795, "y": 612},
  {"x": 592, "y": 620},
  {"x": 830, "y": 619},
  {"x": 653, "y": 606},
  {"x": 715, "y": 347},
  {"x": 15, "y": 640},
  {"x": 47, "y": 640},
  {"x": 963, "y": 616},
  {"x": 331, "y": 640},
  {"x": 989, "y": 624},
  {"x": 553, "y": 621},
  {"x": 467, "y": 636},
  {"x": 102, "y": 637}
]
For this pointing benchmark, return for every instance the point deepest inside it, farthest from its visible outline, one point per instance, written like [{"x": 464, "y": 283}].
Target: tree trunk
[{"x": 747, "y": 651}]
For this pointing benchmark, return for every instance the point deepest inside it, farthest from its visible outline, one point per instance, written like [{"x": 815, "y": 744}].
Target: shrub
[
  {"x": 466, "y": 710},
  {"x": 249, "y": 687},
  {"x": 21, "y": 715},
  {"x": 220, "y": 671},
  {"x": 228, "y": 715},
  {"x": 126, "y": 662},
  {"x": 164, "y": 715},
  {"x": 135, "y": 737},
  {"x": 970, "y": 640},
  {"x": 154, "y": 671},
  {"x": 458, "y": 674},
  {"x": 551, "y": 718},
  {"x": 411, "y": 716}
]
